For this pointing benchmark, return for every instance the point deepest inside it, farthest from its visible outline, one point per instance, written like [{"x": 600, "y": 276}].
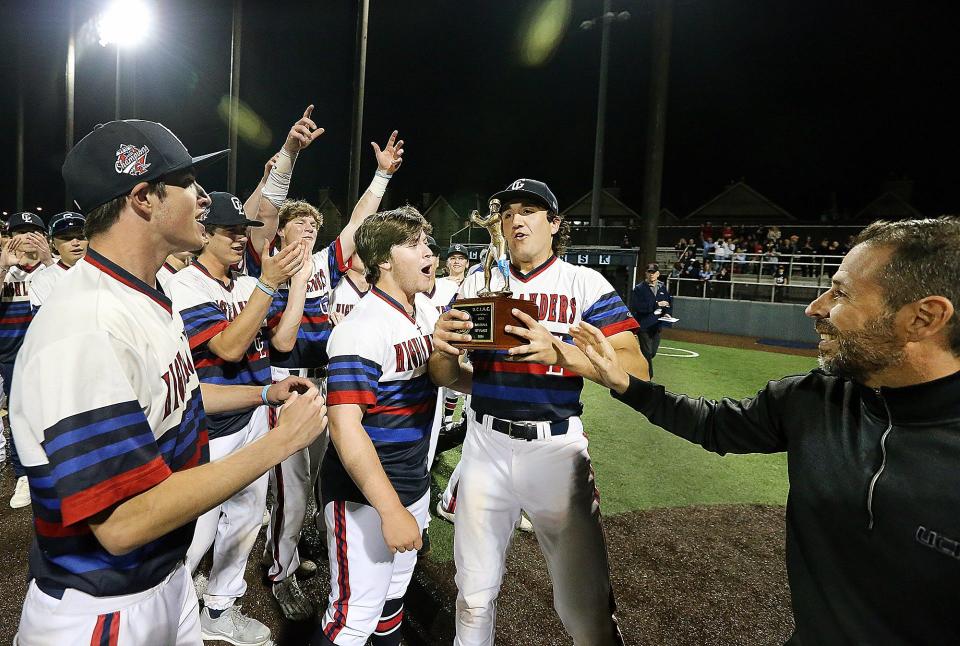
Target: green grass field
[{"x": 640, "y": 466}]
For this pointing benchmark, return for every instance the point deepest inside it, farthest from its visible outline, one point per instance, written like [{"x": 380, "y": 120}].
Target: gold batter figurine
[{"x": 496, "y": 251}]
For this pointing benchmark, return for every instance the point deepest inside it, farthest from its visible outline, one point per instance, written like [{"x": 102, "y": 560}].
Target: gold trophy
[{"x": 491, "y": 311}]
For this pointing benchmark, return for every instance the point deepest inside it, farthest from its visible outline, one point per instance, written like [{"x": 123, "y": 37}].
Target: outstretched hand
[
  {"x": 303, "y": 133},
  {"x": 391, "y": 156},
  {"x": 601, "y": 354}
]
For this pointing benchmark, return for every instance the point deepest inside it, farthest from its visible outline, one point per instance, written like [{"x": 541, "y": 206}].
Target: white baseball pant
[
  {"x": 165, "y": 614},
  {"x": 364, "y": 575},
  {"x": 551, "y": 479},
  {"x": 233, "y": 526},
  {"x": 292, "y": 482}
]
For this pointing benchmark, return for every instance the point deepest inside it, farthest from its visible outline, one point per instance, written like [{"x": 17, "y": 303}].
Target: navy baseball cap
[
  {"x": 118, "y": 155},
  {"x": 458, "y": 249},
  {"x": 23, "y": 220},
  {"x": 66, "y": 220},
  {"x": 528, "y": 189},
  {"x": 434, "y": 247},
  {"x": 226, "y": 210}
]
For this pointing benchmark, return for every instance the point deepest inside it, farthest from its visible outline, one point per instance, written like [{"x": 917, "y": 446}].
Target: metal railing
[{"x": 755, "y": 277}]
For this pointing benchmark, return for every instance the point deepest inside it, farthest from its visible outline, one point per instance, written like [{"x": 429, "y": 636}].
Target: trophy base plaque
[{"x": 489, "y": 315}]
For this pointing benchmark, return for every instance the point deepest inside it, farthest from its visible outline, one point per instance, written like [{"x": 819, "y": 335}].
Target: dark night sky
[{"x": 800, "y": 99}]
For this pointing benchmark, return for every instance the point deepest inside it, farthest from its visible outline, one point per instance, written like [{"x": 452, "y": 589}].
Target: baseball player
[
  {"x": 348, "y": 292},
  {"x": 69, "y": 242},
  {"x": 458, "y": 259},
  {"x": 225, "y": 316},
  {"x": 24, "y": 256},
  {"x": 117, "y": 457},
  {"x": 375, "y": 479},
  {"x": 292, "y": 481},
  {"x": 525, "y": 412}
]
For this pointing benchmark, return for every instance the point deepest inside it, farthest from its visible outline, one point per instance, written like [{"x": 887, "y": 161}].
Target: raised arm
[
  {"x": 273, "y": 188},
  {"x": 232, "y": 343},
  {"x": 752, "y": 425},
  {"x": 183, "y": 496},
  {"x": 388, "y": 162},
  {"x": 283, "y": 335}
]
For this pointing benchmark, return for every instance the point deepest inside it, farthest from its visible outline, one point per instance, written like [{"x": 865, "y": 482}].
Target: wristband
[
  {"x": 263, "y": 394},
  {"x": 263, "y": 287},
  {"x": 379, "y": 184},
  {"x": 278, "y": 181}
]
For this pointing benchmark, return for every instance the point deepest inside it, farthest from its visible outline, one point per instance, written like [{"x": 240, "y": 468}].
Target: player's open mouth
[
  {"x": 519, "y": 235},
  {"x": 237, "y": 248},
  {"x": 425, "y": 270}
]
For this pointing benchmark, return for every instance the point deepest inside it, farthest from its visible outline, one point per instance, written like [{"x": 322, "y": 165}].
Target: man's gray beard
[{"x": 863, "y": 353}]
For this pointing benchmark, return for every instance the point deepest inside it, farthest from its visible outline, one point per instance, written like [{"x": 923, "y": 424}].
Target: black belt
[
  {"x": 523, "y": 430},
  {"x": 314, "y": 373}
]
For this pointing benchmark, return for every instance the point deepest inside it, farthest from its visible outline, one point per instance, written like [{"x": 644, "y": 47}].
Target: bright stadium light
[{"x": 124, "y": 23}]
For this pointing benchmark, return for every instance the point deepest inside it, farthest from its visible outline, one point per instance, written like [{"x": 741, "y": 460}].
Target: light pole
[
  {"x": 125, "y": 23},
  {"x": 234, "y": 95},
  {"x": 605, "y": 20},
  {"x": 353, "y": 187}
]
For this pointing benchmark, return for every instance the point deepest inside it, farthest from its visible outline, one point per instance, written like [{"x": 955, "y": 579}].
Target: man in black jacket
[
  {"x": 873, "y": 441},
  {"x": 649, "y": 301}
]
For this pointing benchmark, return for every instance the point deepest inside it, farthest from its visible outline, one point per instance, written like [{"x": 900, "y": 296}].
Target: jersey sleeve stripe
[
  {"x": 107, "y": 493},
  {"x": 621, "y": 326},
  {"x": 351, "y": 397}
]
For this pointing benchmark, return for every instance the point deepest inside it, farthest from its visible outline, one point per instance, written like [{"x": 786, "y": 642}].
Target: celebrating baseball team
[{"x": 176, "y": 357}]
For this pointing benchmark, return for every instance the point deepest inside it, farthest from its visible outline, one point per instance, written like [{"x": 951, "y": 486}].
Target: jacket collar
[{"x": 937, "y": 400}]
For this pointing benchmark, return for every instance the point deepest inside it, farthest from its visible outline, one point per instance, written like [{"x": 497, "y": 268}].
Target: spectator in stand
[
  {"x": 706, "y": 231},
  {"x": 807, "y": 257},
  {"x": 833, "y": 263},
  {"x": 722, "y": 252},
  {"x": 706, "y": 277},
  {"x": 740, "y": 261},
  {"x": 680, "y": 247},
  {"x": 721, "y": 284},
  {"x": 780, "y": 281},
  {"x": 770, "y": 258},
  {"x": 708, "y": 247},
  {"x": 773, "y": 233},
  {"x": 691, "y": 272},
  {"x": 727, "y": 231}
]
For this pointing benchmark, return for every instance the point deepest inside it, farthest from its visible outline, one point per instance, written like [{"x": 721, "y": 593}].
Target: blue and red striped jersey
[
  {"x": 378, "y": 360},
  {"x": 125, "y": 414},
  {"x": 16, "y": 312},
  {"x": 565, "y": 294},
  {"x": 207, "y": 307}
]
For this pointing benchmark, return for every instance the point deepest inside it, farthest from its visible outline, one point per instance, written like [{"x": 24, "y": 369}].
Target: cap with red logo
[{"x": 118, "y": 155}]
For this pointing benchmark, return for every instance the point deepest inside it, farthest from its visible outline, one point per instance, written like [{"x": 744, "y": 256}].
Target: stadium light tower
[{"x": 126, "y": 24}]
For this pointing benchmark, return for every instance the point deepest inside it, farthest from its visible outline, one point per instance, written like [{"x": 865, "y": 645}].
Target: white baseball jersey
[
  {"x": 15, "y": 310},
  {"x": 43, "y": 283},
  {"x": 207, "y": 307},
  {"x": 346, "y": 295},
  {"x": 379, "y": 360},
  {"x": 310, "y": 350},
  {"x": 566, "y": 294},
  {"x": 106, "y": 405},
  {"x": 443, "y": 294},
  {"x": 164, "y": 275}
]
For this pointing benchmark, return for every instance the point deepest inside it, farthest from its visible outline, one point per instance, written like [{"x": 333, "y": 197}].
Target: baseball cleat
[
  {"x": 443, "y": 513},
  {"x": 307, "y": 569},
  {"x": 21, "y": 494},
  {"x": 293, "y": 603},
  {"x": 233, "y": 626}
]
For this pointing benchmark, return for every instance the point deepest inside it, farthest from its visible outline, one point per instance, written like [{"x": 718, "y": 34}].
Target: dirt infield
[
  {"x": 693, "y": 575},
  {"x": 731, "y": 341}
]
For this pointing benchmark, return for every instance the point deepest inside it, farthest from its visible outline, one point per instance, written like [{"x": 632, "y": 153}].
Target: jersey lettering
[{"x": 413, "y": 353}]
